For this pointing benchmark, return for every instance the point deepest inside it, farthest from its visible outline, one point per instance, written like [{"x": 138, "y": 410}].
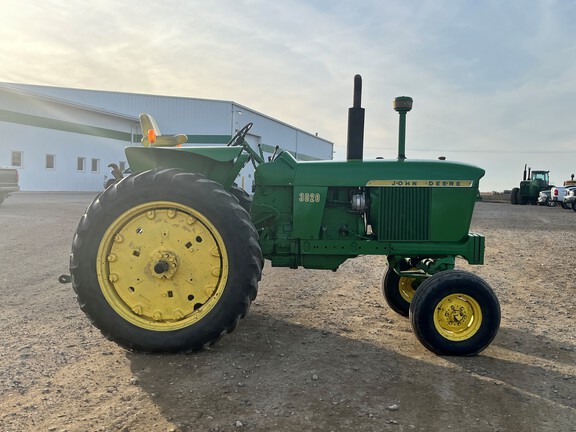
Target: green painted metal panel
[
  {"x": 281, "y": 172},
  {"x": 402, "y": 172},
  {"x": 220, "y": 164},
  {"x": 451, "y": 213},
  {"x": 422, "y": 213},
  {"x": 471, "y": 248},
  {"x": 309, "y": 205},
  {"x": 415, "y": 208}
]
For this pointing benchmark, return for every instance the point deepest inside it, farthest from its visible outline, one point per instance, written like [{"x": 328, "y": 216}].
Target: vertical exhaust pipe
[
  {"x": 402, "y": 105},
  {"x": 355, "y": 141},
  {"x": 525, "y": 166}
]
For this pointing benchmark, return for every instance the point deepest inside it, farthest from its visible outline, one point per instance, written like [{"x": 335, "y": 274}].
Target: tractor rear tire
[
  {"x": 514, "y": 196},
  {"x": 165, "y": 261},
  {"x": 398, "y": 290},
  {"x": 455, "y": 313}
]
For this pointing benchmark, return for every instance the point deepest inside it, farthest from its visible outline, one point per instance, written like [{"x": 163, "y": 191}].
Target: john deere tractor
[
  {"x": 169, "y": 258},
  {"x": 533, "y": 182}
]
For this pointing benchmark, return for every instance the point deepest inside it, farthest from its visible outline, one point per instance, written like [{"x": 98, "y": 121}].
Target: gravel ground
[{"x": 319, "y": 351}]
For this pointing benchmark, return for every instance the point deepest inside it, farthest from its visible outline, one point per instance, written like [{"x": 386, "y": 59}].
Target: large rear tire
[
  {"x": 455, "y": 313},
  {"x": 165, "y": 261},
  {"x": 514, "y": 196}
]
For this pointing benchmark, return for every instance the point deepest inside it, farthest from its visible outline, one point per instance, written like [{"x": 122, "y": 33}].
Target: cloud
[{"x": 488, "y": 78}]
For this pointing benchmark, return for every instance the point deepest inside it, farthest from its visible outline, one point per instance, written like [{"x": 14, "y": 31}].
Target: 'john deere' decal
[{"x": 420, "y": 183}]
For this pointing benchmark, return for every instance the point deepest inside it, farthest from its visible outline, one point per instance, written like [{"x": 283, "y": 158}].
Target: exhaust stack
[
  {"x": 402, "y": 105},
  {"x": 356, "y": 124},
  {"x": 525, "y": 166}
]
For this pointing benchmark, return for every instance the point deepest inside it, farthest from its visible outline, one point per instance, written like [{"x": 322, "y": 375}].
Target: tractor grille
[{"x": 404, "y": 213}]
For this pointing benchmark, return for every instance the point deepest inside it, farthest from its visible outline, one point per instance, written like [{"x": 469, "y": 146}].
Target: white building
[{"x": 62, "y": 139}]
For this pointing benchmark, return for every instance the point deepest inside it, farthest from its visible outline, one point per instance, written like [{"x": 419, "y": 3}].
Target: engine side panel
[{"x": 318, "y": 214}]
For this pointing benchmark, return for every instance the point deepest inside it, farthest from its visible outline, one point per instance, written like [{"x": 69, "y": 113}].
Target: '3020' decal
[{"x": 309, "y": 197}]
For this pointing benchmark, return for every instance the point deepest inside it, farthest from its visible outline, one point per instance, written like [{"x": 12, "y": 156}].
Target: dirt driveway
[{"x": 319, "y": 351}]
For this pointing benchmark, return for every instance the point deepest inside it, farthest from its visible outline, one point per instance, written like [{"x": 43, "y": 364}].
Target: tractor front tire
[
  {"x": 165, "y": 261},
  {"x": 109, "y": 183},
  {"x": 398, "y": 290},
  {"x": 242, "y": 196},
  {"x": 455, "y": 313}
]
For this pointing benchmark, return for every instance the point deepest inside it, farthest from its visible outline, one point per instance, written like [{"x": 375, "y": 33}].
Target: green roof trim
[
  {"x": 62, "y": 125},
  {"x": 66, "y": 126}
]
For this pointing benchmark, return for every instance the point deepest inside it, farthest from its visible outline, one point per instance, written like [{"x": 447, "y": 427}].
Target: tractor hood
[{"x": 285, "y": 170}]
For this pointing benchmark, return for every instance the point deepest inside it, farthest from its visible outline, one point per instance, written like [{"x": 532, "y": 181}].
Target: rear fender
[{"x": 220, "y": 164}]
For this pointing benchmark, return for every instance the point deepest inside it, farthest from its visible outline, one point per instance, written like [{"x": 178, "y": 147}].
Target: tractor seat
[{"x": 152, "y": 137}]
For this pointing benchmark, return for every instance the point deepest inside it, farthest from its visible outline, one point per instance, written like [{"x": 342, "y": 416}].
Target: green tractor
[
  {"x": 530, "y": 187},
  {"x": 169, "y": 258}
]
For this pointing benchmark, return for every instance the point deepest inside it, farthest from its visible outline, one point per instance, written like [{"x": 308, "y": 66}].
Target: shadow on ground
[{"x": 271, "y": 375}]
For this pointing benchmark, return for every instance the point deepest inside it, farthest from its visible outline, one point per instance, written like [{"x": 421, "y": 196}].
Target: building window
[
  {"x": 95, "y": 165},
  {"x": 50, "y": 161},
  {"x": 17, "y": 158},
  {"x": 81, "y": 166}
]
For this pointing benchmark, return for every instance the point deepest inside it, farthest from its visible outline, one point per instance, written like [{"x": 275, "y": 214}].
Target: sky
[{"x": 493, "y": 82}]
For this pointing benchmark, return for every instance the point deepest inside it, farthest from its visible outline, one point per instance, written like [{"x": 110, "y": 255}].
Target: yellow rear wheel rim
[
  {"x": 162, "y": 266},
  {"x": 458, "y": 317}
]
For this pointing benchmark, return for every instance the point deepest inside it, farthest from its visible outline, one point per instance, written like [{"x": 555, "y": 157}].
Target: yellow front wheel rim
[
  {"x": 458, "y": 317},
  {"x": 162, "y": 266},
  {"x": 406, "y": 288}
]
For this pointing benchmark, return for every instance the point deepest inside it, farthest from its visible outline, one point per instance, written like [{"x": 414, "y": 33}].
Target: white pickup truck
[
  {"x": 570, "y": 198},
  {"x": 558, "y": 193}
]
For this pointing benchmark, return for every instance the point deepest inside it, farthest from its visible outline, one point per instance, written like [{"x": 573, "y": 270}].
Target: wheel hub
[
  {"x": 163, "y": 264},
  {"x": 406, "y": 288},
  {"x": 458, "y": 317}
]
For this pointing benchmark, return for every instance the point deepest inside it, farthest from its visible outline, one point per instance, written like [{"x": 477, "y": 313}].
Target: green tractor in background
[
  {"x": 169, "y": 258},
  {"x": 530, "y": 186}
]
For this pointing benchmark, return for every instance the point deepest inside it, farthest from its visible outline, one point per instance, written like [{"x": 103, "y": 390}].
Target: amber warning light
[{"x": 151, "y": 136}]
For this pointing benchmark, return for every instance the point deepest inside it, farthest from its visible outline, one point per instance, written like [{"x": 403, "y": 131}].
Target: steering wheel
[{"x": 238, "y": 138}]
